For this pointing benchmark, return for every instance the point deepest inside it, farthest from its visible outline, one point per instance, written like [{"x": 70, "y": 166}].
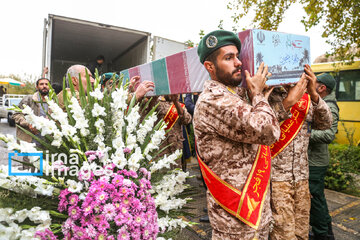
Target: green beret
[
  {"x": 327, "y": 80},
  {"x": 107, "y": 76},
  {"x": 215, "y": 40}
]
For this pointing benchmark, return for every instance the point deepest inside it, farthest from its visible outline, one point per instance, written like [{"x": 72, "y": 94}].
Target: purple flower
[
  {"x": 64, "y": 193},
  {"x": 127, "y": 150},
  {"x": 46, "y": 235},
  {"x": 87, "y": 153},
  {"x": 109, "y": 211},
  {"x": 118, "y": 180},
  {"x": 91, "y": 158},
  {"x": 123, "y": 234},
  {"x": 79, "y": 232},
  {"x": 102, "y": 196},
  {"x": 62, "y": 206},
  {"x": 73, "y": 199},
  {"x": 91, "y": 231},
  {"x": 97, "y": 220},
  {"x": 101, "y": 236},
  {"x": 74, "y": 212}
]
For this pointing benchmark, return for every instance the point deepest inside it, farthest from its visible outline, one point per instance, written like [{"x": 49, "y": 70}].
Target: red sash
[
  {"x": 172, "y": 116},
  {"x": 246, "y": 205},
  {"x": 291, "y": 127}
]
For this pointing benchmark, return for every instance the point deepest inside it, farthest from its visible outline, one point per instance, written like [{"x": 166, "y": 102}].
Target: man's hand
[
  {"x": 133, "y": 82},
  {"x": 267, "y": 91},
  {"x": 45, "y": 71},
  {"x": 33, "y": 130},
  {"x": 143, "y": 88},
  {"x": 256, "y": 84},
  {"x": 311, "y": 87},
  {"x": 174, "y": 98},
  {"x": 295, "y": 93}
]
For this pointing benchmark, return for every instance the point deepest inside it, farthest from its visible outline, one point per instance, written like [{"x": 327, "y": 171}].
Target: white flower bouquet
[{"x": 101, "y": 177}]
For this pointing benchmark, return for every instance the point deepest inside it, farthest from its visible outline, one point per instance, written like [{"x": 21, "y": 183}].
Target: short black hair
[
  {"x": 37, "y": 81},
  {"x": 57, "y": 87},
  {"x": 100, "y": 57},
  {"x": 213, "y": 56}
]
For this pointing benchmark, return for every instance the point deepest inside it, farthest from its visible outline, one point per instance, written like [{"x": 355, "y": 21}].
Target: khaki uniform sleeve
[
  {"x": 19, "y": 117},
  {"x": 322, "y": 118},
  {"x": 235, "y": 119},
  {"x": 275, "y": 101},
  {"x": 186, "y": 118}
]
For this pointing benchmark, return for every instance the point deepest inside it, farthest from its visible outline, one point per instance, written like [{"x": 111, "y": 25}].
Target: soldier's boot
[{"x": 330, "y": 234}]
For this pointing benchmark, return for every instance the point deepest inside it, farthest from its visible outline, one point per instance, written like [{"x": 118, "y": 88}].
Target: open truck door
[{"x": 69, "y": 41}]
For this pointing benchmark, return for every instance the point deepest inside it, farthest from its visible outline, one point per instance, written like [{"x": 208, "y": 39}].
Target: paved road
[{"x": 345, "y": 209}]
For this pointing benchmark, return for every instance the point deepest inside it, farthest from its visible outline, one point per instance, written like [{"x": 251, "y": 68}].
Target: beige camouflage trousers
[
  {"x": 290, "y": 205},
  {"x": 261, "y": 234}
]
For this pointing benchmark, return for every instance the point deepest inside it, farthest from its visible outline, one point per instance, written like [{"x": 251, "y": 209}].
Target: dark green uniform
[{"x": 320, "y": 219}]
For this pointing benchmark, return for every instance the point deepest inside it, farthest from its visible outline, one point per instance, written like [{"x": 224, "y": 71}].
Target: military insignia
[{"x": 211, "y": 41}]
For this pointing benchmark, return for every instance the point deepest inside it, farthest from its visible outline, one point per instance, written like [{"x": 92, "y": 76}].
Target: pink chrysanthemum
[
  {"x": 73, "y": 199},
  {"x": 123, "y": 234},
  {"x": 109, "y": 211},
  {"x": 74, "y": 212}
]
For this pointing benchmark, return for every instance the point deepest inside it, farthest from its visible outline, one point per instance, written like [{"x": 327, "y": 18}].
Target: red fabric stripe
[{"x": 178, "y": 73}]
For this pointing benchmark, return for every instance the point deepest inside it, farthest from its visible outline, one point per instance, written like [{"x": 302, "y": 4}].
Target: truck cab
[{"x": 6, "y": 102}]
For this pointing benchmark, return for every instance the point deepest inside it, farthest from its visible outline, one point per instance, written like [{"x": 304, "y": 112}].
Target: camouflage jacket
[
  {"x": 292, "y": 163},
  {"x": 228, "y": 131},
  {"x": 19, "y": 118},
  {"x": 175, "y": 136}
]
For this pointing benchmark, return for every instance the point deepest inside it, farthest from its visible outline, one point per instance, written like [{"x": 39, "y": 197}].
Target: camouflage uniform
[
  {"x": 175, "y": 136},
  {"x": 228, "y": 130},
  {"x": 290, "y": 197}
]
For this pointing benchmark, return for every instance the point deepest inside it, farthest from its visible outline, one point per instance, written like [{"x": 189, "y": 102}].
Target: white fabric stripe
[
  {"x": 197, "y": 72},
  {"x": 146, "y": 75}
]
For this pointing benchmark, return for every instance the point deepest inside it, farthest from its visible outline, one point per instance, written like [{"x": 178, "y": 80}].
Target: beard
[
  {"x": 227, "y": 78},
  {"x": 44, "y": 92}
]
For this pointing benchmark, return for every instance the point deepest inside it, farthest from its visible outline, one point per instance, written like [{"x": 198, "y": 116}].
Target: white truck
[
  {"x": 7, "y": 101},
  {"x": 68, "y": 41}
]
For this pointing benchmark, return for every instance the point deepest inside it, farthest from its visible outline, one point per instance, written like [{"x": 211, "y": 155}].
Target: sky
[{"x": 21, "y": 24}]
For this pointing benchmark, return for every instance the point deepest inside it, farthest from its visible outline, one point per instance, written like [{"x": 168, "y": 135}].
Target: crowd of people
[{"x": 262, "y": 151}]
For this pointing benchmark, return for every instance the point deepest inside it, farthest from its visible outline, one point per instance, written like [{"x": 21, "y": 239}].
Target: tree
[{"x": 341, "y": 20}]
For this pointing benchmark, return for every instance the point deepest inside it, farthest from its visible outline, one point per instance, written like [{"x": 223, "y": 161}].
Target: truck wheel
[{"x": 11, "y": 121}]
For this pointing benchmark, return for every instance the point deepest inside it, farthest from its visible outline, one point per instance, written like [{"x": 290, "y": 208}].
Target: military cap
[
  {"x": 215, "y": 40},
  {"x": 327, "y": 80},
  {"x": 107, "y": 76}
]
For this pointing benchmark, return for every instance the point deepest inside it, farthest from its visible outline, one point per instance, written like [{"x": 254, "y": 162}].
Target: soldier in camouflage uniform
[
  {"x": 229, "y": 125},
  {"x": 175, "y": 135},
  {"x": 290, "y": 196}
]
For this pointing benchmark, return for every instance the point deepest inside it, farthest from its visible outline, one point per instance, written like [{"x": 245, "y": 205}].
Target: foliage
[
  {"x": 28, "y": 79},
  {"x": 341, "y": 20},
  {"x": 344, "y": 159}
]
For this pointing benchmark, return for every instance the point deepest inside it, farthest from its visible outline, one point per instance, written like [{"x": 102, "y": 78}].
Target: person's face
[
  {"x": 228, "y": 66},
  {"x": 320, "y": 89},
  {"x": 100, "y": 61},
  {"x": 43, "y": 87},
  {"x": 83, "y": 78}
]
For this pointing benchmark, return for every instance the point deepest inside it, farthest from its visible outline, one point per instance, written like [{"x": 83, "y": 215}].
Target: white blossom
[
  {"x": 98, "y": 110},
  {"x": 81, "y": 122},
  {"x": 74, "y": 186},
  {"x": 97, "y": 93}
]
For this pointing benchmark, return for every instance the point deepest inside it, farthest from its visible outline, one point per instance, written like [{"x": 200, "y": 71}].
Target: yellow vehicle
[{"x": 348, "y": 97}]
